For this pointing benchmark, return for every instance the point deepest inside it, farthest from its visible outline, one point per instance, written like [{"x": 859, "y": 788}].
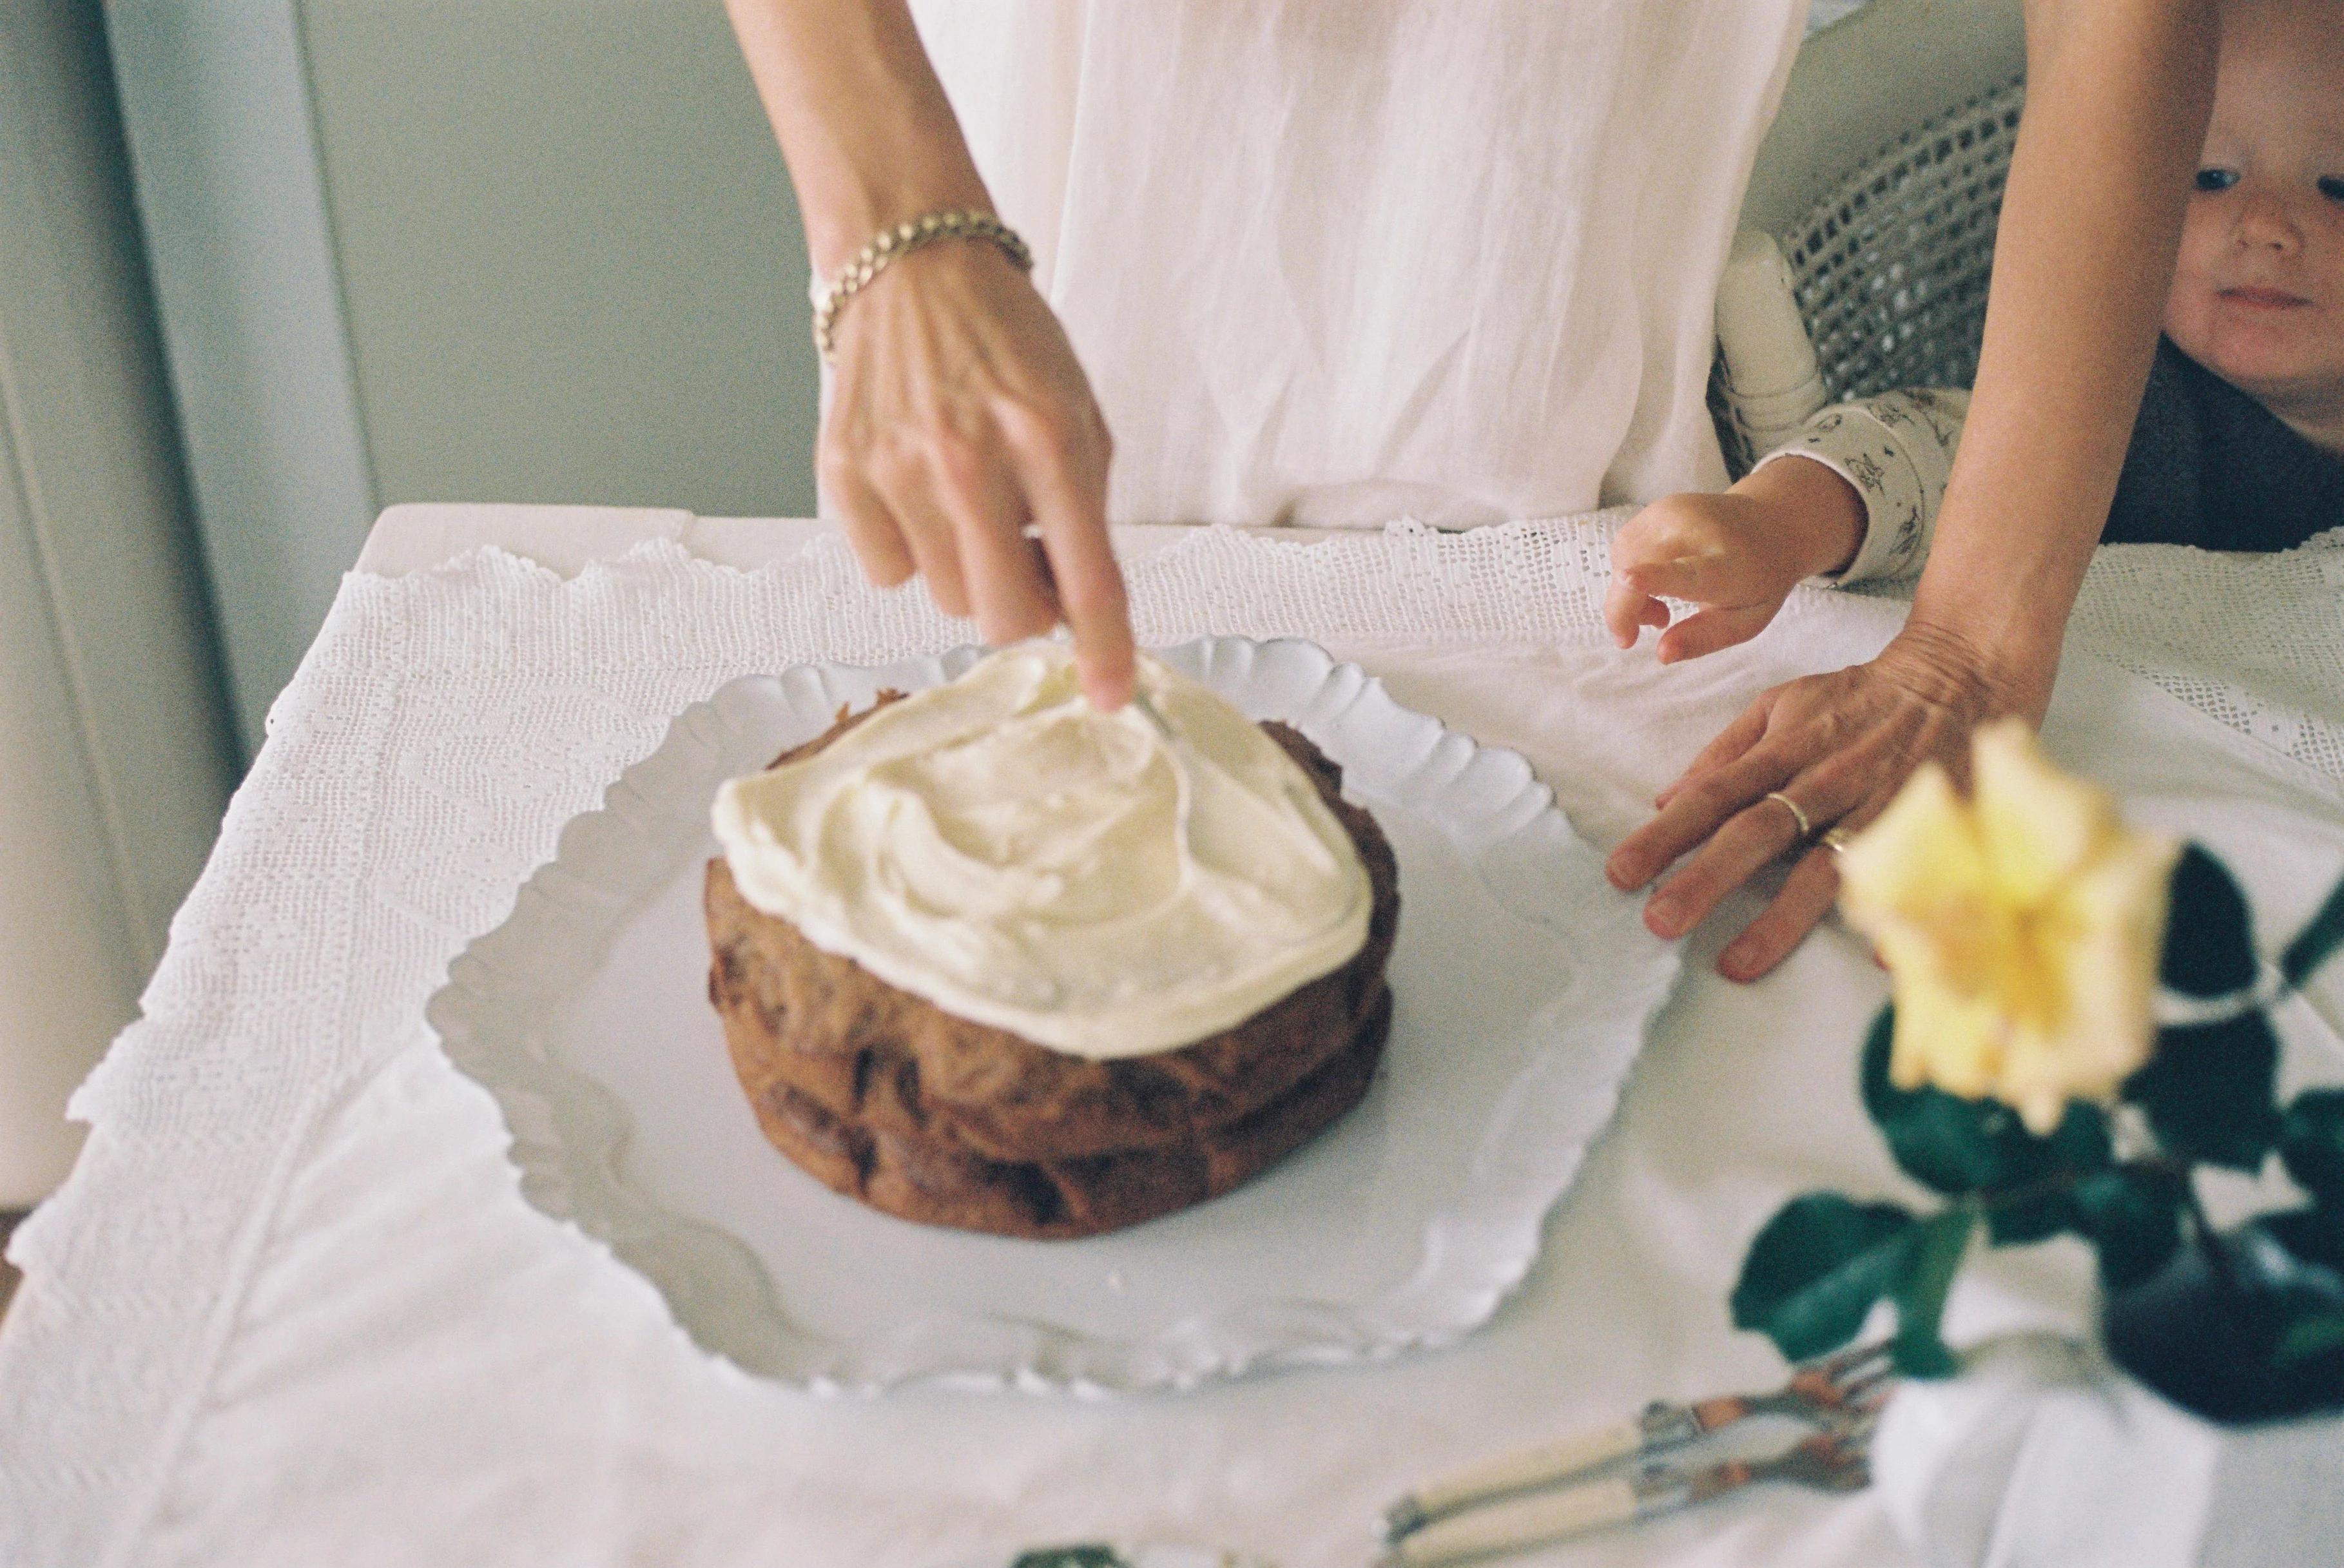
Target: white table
[{"x": 391, "y": 1360}]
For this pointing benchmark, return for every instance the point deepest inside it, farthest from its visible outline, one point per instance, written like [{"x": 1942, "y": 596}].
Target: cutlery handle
[
  {"x": 1527, "y": 1467},
  {"x": 1514, "y": 1526}
]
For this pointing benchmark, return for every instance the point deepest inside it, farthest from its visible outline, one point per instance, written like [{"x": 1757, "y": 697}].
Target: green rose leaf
[
  {"x": 2209, "y": 1088},
  {"x": 2312, "y": 1143},
  {"x": 2310, "y": 1338},
  {"x": 2036, "y": 1218},
  {"x": 1090, "y": 1556},
  {"x": 1931, "y": 1260},
  {"x": 1814, "y": 1272},
  {"x": 1959, "y": 1146},
  {"x": 2315, "y": 942},
  {"x": 2209, "y": 937},
  {"x": 2132, "y": 1214},
  {"x": 2313, "y": 1235},
  {"x": 2310, "y": 1297}
]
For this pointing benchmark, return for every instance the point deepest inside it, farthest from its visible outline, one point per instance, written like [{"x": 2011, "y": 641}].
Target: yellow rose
[{"x": 2021, "y": 928}]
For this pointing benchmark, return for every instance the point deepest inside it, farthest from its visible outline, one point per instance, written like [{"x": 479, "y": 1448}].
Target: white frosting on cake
[{"x": 1004, "y": 850}]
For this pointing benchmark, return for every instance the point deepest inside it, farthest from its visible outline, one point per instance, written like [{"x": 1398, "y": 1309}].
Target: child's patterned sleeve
[{"x": 1896, "y": 450}]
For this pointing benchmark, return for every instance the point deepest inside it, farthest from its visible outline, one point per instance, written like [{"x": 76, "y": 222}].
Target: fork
[
  {"x": 1820, "y": 1392},
  {"x": 1836, "y": 1460}
]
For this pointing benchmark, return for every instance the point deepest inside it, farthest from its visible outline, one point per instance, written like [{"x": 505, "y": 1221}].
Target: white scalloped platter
[{"x": 1522, "y": 984}]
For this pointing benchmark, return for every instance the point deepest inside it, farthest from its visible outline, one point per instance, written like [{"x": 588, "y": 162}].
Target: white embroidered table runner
[{"x": 291, "y": 1308}]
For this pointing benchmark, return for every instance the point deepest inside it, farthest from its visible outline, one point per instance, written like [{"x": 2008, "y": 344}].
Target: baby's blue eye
[
  {"x": 2331, "y": 185},
  {"x": 2216, "y": 178}
]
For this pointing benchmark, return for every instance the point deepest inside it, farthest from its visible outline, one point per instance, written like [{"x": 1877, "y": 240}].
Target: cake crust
[
  {"x": 1060, "y": 1200},
  {"x": 885, "y": 1097}
]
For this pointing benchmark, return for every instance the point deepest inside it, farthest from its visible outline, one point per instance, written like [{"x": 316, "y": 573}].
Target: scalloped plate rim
[{"x": 714, "y": 1286}]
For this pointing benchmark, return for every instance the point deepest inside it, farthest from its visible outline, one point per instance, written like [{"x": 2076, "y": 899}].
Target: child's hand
[{"x": 1736, "y": 555}]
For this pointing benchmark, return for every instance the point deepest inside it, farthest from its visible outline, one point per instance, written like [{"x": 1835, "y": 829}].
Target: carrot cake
[{"x": 987, "y": 957}]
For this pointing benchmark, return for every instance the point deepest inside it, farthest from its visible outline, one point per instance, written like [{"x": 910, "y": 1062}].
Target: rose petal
[
  {"x": 2037, "y": 825},
  {"x": 2022, "y": 930},
  {"x": 1921, "y": 855},
  {"x": 1942, "y": 1037}
]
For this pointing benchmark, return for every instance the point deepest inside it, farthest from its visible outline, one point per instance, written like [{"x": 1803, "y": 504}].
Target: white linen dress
[{"x": 1337, "y": 264}]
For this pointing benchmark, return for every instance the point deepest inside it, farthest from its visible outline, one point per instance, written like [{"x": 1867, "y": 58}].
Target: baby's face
[{"x": 2258, "y": 296}]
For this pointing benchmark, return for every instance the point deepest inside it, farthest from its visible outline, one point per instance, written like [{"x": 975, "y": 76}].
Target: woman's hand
[
  {"x": 962, "y": 442},
  {"x": 1841, "y": 745}
]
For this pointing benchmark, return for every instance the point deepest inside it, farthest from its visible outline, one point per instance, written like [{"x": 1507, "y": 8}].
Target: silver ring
[
  {"x": 1834, "y": 839},
  {"x": 1806, "y": 828}
]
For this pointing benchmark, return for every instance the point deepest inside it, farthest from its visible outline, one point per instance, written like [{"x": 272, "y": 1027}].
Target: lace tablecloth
[{"x": 291, "y": 1308}]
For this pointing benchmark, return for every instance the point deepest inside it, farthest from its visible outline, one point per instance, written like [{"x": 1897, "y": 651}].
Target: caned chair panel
[
  {"x": 1879, "y": 185},
  {"x": 1890, "y": 270}
]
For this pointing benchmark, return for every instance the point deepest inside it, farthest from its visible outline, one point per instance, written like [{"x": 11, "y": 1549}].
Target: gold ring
[
  {"x": 1806, "y": 828},
  {"x": 1834, "y": 839}
]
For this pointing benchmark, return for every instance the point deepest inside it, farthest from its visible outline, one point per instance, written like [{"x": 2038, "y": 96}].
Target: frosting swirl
[{"x": 1084, "y": 880}]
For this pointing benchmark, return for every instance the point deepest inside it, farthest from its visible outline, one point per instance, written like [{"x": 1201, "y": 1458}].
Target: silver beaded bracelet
[{"x": 953, "y": 223}]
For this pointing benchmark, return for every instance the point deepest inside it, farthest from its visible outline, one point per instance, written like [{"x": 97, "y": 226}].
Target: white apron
[{"x": 1342, "y": 262}]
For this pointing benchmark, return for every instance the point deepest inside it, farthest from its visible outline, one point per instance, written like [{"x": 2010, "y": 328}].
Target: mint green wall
[
  {"x": 570, "y": 267},
  {"x": 527, "y": 250}
]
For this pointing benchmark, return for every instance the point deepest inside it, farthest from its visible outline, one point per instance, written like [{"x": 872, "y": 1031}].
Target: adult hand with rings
[
  {"x": 2118, "y": 99},
  {"x": 1808, "y": 763}
]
